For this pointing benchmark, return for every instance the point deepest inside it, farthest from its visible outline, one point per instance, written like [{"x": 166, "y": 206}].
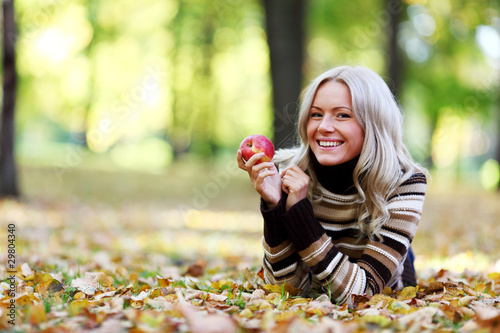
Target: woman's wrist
[{"x": 271, "y": 204}]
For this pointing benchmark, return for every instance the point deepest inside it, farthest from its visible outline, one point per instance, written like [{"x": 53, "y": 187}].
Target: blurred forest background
[
  {"x": 122, "y": 101},
  {"x": 140, "y": 86}
]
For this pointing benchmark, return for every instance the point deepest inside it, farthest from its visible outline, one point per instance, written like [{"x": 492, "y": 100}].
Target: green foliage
[{"x": 145, "y": 82}]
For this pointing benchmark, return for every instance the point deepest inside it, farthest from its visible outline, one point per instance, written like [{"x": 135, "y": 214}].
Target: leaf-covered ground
[{"x": 144, "y": 265}]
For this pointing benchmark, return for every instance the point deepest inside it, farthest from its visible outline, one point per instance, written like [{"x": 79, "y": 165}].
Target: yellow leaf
[
  {"x": 295, "y": 301},
  {"x": 494, "y": 276},
  {"x": 218, "y": 285},
  {"x": 480, "y": 287},
  {"x": 399, "y": 307},
  {"x": 272, "y": 288},
  {"x": 78, "y": 306},
  {"x": 378, "y": 320},
  {"x": 380, "y": 297},
  {"x": 26, "y": 300},
  {"x": 79, "y": 295},
  {"x": 408, "y": 293}
]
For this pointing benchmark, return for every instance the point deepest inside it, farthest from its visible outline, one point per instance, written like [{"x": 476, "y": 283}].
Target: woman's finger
[{"x": 239, "y": 159}]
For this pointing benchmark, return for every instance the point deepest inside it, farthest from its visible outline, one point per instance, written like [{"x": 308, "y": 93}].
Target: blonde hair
[{"x": 384, "y": 162}]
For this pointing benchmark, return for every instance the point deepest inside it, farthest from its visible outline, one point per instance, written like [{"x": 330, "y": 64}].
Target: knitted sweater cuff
[
  {"x": 274, "y": 233},
  {"x": 301, "y": 225}
]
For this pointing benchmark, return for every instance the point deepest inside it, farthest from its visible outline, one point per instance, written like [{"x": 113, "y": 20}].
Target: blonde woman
[{"x": 343, "y": 211}]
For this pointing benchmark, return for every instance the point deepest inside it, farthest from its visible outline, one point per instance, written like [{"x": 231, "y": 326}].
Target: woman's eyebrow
[
  {"x": 334, "y": 108},
  {"x": 342, "y": 107}
]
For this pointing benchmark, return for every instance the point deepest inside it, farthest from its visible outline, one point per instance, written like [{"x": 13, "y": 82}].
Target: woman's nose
[{"x": 327, "y": 125}]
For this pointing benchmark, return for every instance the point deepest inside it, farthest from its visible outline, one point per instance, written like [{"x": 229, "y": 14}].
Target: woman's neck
[{"x": 336, "y": 178}]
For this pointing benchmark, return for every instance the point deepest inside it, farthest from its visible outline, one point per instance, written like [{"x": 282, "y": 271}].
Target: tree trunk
[
  {"x": 8, "y": 169},
  {"x": 394, "y": 56},
  {"x": 285, "y": 37}
]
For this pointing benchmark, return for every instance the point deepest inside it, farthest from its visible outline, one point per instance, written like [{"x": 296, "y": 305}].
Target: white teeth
[{"x": 330, "y": 143}]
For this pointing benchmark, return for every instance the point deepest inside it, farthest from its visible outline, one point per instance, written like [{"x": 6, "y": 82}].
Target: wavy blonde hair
[{"x": 384, "y": 162}]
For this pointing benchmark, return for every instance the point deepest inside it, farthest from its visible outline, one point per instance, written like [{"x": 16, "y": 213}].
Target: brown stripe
[
  {"x": 277, "y": 249},
  {"x": 313, "y": 248},
  {"x": 405, "y": 217}
]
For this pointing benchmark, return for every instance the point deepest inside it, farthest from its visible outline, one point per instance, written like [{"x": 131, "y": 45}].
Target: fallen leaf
[
  {"x": 46, "y": 285},
  {"x": 197, "y": 269},
  {"x": 434, "y": 287},
  {"x": 92, "y": 282},
  {"x": 272, "y": 288},
  {"x": 408, "y": 293},
  {"x": 37, "y": 314},
  {"x": 488, "y": 317},
  {"x": 452, "y": 292},
  {"x": 380, "y": 298},
  {"x": 163, "y": 282},
  {"x": 27, "y": 272}
]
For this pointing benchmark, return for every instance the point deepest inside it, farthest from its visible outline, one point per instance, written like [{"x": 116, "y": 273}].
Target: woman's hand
[
  {"x": 264, "y": 177},
  {"x": 295, "y": 183}
]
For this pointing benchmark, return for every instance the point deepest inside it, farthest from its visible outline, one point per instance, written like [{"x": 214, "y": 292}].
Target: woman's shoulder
[
  {"x": 418, "y": 177},
  {"x": 414, "y": 185}
]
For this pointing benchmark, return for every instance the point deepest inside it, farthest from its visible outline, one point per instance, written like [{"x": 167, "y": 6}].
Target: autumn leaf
[
  {"x": 378, "y": 298},
  {"x": 272, "y": 288},
  {"x": 128, "y": 278},
  {"x": 197, "y": 269},
  {"x": 92, "y": 282},
  {"x": 451, "y": 293},
  {"x": 163, "y": 282},
  {"x": 47, "y": 285},
  {"x": 37, "y": 314},
  {"x": 26, "y": 272},
  {"x": 434, "y": 287},
  {"x": 408, "y": 293}
]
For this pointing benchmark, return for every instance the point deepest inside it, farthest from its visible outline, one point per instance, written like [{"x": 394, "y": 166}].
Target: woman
[{"x": 344, "y": 209}]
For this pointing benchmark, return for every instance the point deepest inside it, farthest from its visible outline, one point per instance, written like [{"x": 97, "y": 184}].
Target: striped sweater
[{"x": 315, "y": 243}]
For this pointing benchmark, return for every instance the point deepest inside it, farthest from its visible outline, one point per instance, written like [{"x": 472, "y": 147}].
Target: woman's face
[{"x": 334, "y": 134}]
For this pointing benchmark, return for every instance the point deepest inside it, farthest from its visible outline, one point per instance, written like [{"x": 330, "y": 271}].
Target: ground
[{"x": 179, "y": 251}]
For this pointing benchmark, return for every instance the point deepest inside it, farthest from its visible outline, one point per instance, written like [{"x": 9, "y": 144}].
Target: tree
[
  {"x": 394, "y": 56},
  {"x": 285, "y": 37},
  {"x": 8, "y": 169}
]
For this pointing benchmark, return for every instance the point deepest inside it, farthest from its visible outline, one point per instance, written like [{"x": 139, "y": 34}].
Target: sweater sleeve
[
  {"x": 381, "y": 261},
  {"x": 281, "y": 261}
]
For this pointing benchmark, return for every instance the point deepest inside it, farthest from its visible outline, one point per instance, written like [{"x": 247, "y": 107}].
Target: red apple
[{"x": 257, "y": 143}]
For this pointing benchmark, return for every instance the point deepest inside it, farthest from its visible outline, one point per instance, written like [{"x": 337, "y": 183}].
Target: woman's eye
[
  {"x": 344, "y": 115},
  {"x": 316, "y": 115}
]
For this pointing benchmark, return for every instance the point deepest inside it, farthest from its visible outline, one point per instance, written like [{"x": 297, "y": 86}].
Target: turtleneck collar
[{"x": 336, "y": 178}]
